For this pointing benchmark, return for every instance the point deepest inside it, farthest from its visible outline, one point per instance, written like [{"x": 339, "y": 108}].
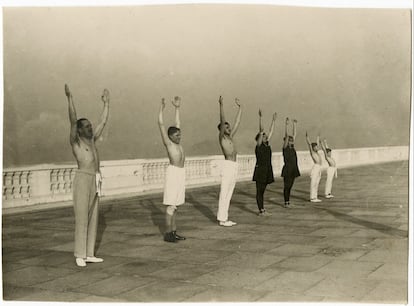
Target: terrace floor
[{"x": 352, "y": 248}]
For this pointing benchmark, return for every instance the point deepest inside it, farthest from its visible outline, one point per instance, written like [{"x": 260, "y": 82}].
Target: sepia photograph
[{"x": 207, "y": 152}]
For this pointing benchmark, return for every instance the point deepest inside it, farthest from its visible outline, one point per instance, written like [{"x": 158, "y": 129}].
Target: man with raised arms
[
  {"x": 174, "y": 185},
  {"x": 316, "y": 169},
  {"x": 229, "y": 168},
  {"x": 88, "y": 180},
  {"x": 331, "y": 171}
]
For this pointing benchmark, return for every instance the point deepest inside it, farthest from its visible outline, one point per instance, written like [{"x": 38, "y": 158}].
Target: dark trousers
[
  {"x": 288, "y": 183},
  {"x": 260, "y": 189}
]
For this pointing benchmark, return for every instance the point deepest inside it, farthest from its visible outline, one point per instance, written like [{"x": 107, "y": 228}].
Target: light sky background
[{"x": 343, "y": 73}]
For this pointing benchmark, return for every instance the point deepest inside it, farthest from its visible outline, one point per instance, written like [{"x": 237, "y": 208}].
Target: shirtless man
[
  {"x": 229, "y": 170},
  {"x": 330, "y": 171},
  {"x": 174, "y": 185},
  {"x": 316, "y": 169},
  {"x": 88, "y": 181}
]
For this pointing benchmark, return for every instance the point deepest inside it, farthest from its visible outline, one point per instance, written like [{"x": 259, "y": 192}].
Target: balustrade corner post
[{"x": 40, "y": 183}]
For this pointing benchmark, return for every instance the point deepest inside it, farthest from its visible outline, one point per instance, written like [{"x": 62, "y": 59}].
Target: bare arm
[
  {"x": 308, "y": 142},
  {"x": 73, "y": 138},
  {"x": 294, "y": 128},
  {"x": 324, "y": 150},
  {"x": 286, "y": 140},
  {"x": 164, "y": 134},
  {"x": 177, "y": 104},
  {"x": 272, "y": 126},
  {"x": 260, "y": 120},
  {"x": 222, "y": 118},
  {"x": 238, "y": 117},
  {"x": 104, "y": 115},
  {"x": 260, "y": 138}
]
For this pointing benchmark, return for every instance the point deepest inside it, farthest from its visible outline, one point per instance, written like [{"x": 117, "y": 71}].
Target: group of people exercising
[{"x": 88, "y": 180}]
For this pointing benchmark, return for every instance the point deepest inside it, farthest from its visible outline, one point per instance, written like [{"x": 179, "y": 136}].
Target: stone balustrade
[{"x": 53, "y": 183}]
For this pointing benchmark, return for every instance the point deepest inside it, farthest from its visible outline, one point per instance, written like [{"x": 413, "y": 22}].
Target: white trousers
[
  {"x": 228, "y": 182},
  {"x": 315, "y": 179},
  {"x": 330, "y": 173}
]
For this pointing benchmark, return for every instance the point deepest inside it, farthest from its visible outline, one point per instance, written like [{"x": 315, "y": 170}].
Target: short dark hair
[
  {"x": 219, "y": 125},
  {"x": 79, "y": 122},
  {"x": 172, "y": 130},
  {"x": 328, "y": 150},
  {"x": 289, "y": 137},
  {"x": 258, "y": 135},
  {"x": 314, "y": 144}
]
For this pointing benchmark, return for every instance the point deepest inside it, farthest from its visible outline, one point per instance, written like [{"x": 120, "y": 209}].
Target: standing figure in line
[
  {"x": 331, "y": 171},
  {"x": 263, "y": 171},
  {"x": 316, "y": 172},
  {"x": 290, "y": 169},
  {"x": 174, "y": 185},
  {"x": 88, "y": 180},
  {"x": 229, "y": 169}
]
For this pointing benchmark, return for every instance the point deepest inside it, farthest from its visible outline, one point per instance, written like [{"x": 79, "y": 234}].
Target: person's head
[
  {"x": 174, "y": 133},
  {"x": 291, "y": 141},
  {"x": 265, "y": 138},
  {"x": 328, "y": 152},
  {"x": 227, "y": 128},
  {"x": 84, "y": 128},
  {"x": 314, "y": 146}
]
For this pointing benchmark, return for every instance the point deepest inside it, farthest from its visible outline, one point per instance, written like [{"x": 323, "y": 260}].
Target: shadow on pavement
[
  {"x": 372, "y": 225},
  {"x": 201, "y": 208}
]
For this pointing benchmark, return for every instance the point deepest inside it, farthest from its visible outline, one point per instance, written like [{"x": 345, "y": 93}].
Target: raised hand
[
  {"x": 67, "y": 91},
  {"x": 162, "y": 103},
  {"x": 274, "y": 116},
  {"x": 287, "y": 120},
  {"x": 237, "y": 101},
  {"x": 221, "y": 100},
  {"x": 176, "y": 102},
  {"x": 260, "y": 112},
  {"x": 105, "y": 96}
]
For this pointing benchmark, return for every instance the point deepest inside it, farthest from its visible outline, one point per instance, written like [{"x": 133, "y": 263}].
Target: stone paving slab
[
  {"x": 114, "y": 285},
  {"x": 226, "y": 294},
  {"x": 31, "y": 275},
  {"x": 386, "y": 292},
  {"x": 163, "y": 291},
  {"x": 352, "y": 248},
  {"x": 291, "y": 282},
  {"x": 337, "y": 288},
  {"x": 303, "y": 263}
]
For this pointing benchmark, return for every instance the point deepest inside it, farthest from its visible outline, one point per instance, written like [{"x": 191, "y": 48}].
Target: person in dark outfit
[
  {"x": 290, "y": 169},
  {"x": 263, "y": 171}
]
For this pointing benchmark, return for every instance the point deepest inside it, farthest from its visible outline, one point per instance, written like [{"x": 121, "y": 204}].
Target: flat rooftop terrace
[{"x": 352, "y": 248}]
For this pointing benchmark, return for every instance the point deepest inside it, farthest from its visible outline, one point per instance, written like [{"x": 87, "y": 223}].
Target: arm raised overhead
[
  {"x": 104, "y": 115},
  {"x": 238, "y": 117},
  {"x": 73, "y": 138}
]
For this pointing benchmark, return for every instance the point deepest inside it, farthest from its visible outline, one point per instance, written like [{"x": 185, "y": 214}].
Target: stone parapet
[{"x": 40, "y": 184}]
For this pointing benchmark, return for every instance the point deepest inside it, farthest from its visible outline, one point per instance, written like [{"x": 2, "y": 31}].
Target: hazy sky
[{"x": 343, "y": 73}]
